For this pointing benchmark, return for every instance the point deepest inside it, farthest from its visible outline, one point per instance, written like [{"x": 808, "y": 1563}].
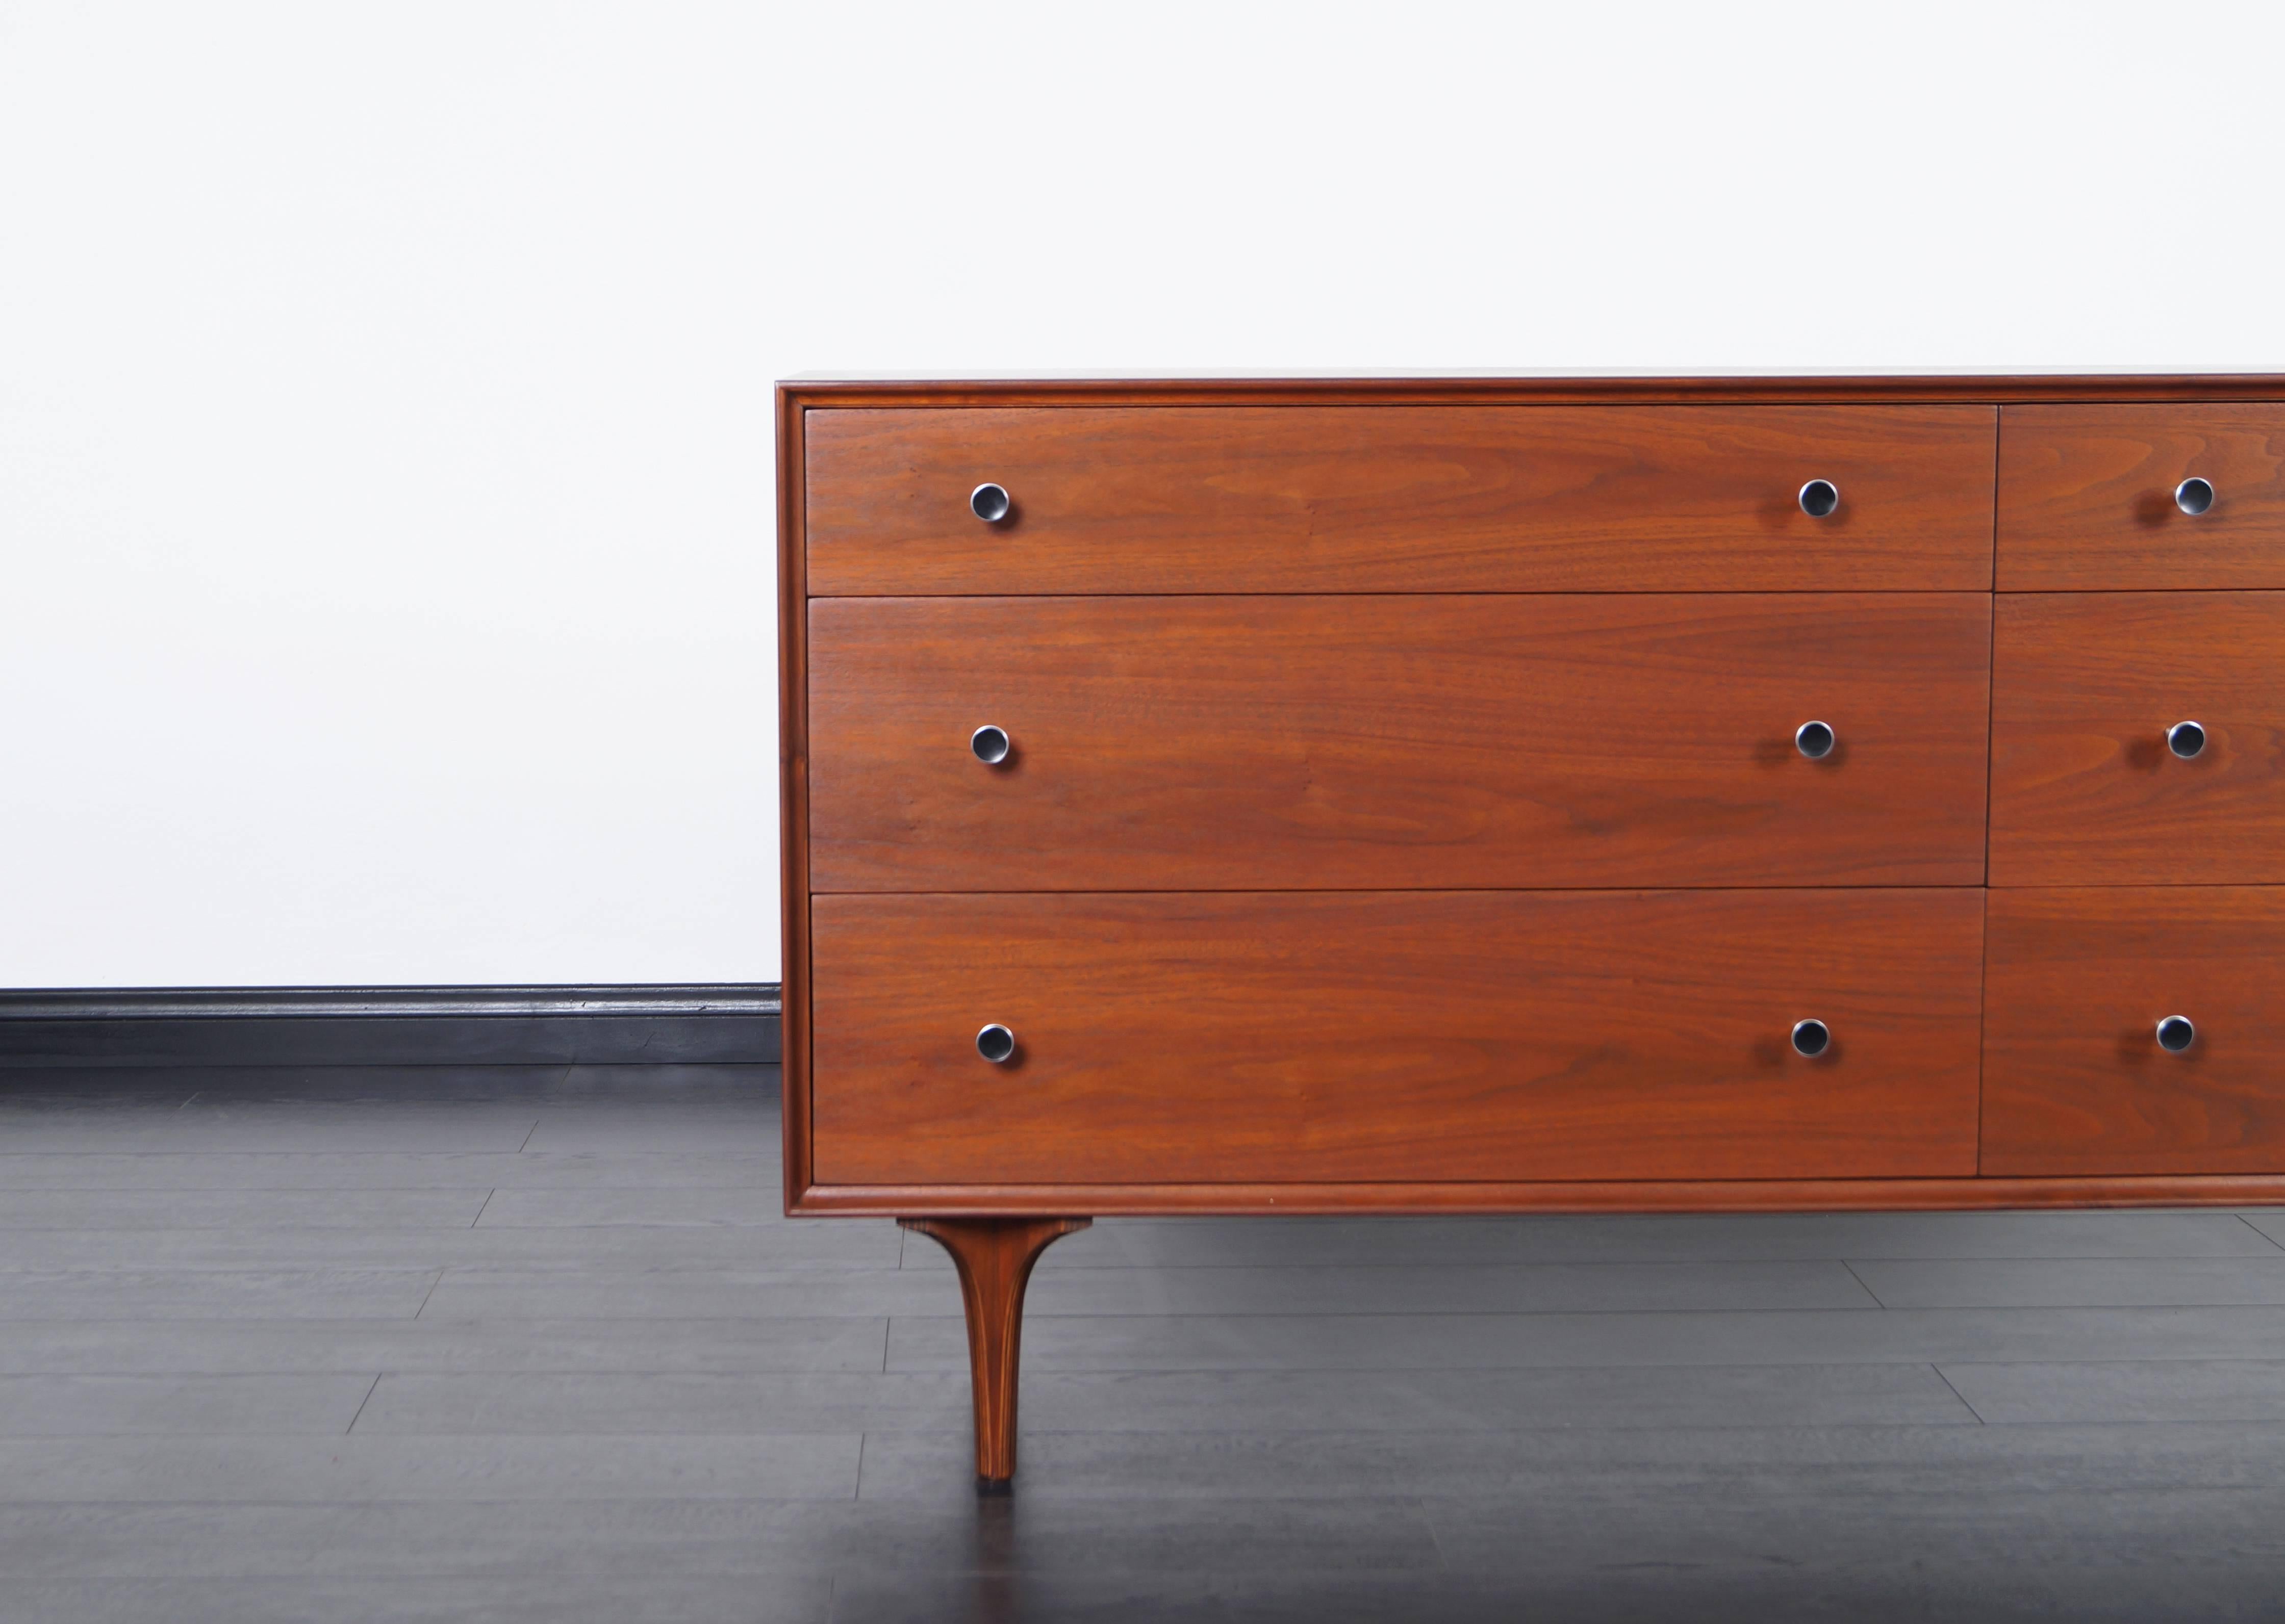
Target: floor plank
[
  {"x": 245, "y": 1465},
  {"x": 663, "y": 1597},
  {"x": 622, "y": 1248},
  {"x": 1867, "y": 1394},
  {"x": 2076, "y": 1283},
  {"x": 1492, "y": 1341},
  {"x": 498, "y": 1538},
  {"x": 1531, "y": 1288},
  {"x": 2124, "y": 1390},
  {"x": 59, "y": 1405},
  {"x": 1858, "y": 1462},
  {"x": 97, "y": 1294},
  {"x": 268, "y": 1212},
  {"x": 1897, "y": 1592},
  {"x": 318, "y": 1344},
  {"x": 259, "y": 1125}
]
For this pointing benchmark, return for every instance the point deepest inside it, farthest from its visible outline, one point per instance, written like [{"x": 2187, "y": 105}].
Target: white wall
[{"x": 384, "y": 465}]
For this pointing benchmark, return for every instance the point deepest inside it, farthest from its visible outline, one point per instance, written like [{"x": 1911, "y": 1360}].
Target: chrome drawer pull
[
  {"x": 2175, "y": 1033},
  {"x": 2186, "y": 738},
  {"x": 990, "y": 503},
  {"x": 1813, "y": 740},
  {"x": 990, "y": 745},
  {"x": 2194, "y": 496},
  {"x": 1811, "y": 1038},
  {"x": 1819, "y": 498},
  {"x": 996, "y": 1044}
]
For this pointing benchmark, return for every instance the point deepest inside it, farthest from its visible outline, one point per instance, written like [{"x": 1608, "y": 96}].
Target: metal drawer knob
[
  {"x": 990, "y": 503},
  {"x": 2175, "y": 1033},
  {"x": 1811, "y": 1038},
  {"x": 1813, "y": 740},
  {"x": 1819, "y": 498},
  {"x": 2186, "y": 738},
  {"x": 996, "y": 1044},
  {"x": 2194, "y": 496},
  {"x": 990, "y": 745}
]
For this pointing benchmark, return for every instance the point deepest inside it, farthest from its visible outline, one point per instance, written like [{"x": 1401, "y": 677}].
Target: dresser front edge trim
[{"x": 1671, "y": 1196}]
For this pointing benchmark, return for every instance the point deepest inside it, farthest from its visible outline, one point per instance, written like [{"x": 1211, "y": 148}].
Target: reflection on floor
[{"x": 513, "y": 1345}]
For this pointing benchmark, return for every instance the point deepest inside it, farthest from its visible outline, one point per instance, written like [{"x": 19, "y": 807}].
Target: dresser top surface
[{"x": 1972, "y": 386}]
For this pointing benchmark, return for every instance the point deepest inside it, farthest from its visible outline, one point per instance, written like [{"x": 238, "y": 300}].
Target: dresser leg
[{"x": 994, "y": 1257}]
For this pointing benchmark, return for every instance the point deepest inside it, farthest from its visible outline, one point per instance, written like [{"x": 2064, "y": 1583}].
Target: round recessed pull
[
  {"x": 990, "y": 503},
  {"x": 1819, "y": 498},
  {"x": 996, "y": 1044},
  {"x": 1813, "y": 740},
  {"x": 1811, "y": 1038},
  {"x": 2194, "y": 496},
  {"x": 2186, "y": 738},
  {"x": 2176, "y": 1033},
  {"x": 990, "y": 745}
]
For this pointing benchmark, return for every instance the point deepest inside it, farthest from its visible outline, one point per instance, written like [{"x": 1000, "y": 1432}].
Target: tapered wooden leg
[{"x": 994, "y": 1257}]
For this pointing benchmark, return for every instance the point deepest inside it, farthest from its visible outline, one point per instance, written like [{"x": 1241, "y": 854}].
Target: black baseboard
[{"x": 395, "y": 1026}]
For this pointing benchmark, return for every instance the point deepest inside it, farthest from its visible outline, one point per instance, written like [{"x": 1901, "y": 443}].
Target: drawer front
[
  {"x": 2088, "y": 498},
  {"x": 1397, "y": 741},
  {"x": 2085, "y": 786},
  {"x": 2075, "y": 1077},
  {"x": 1268, "y": 1037},
  {"x": 1397, "y": 498}
]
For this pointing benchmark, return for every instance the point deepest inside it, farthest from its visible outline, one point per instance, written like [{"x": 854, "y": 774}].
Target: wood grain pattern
[
  {"x": 2083, "y": 790},
  {"x": 2087, "y": 497},
  {"x": 994, "y": 1257},
  {"x": 1266, "y": 1037},
  {"x": 2074, "y": 1079},
  {"x": 1398, "y": 498},
  {"x": 1399, "y": 741}
]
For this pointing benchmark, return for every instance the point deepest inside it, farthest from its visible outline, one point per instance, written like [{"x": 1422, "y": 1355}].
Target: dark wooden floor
[{"x": 536, "y": 1345}]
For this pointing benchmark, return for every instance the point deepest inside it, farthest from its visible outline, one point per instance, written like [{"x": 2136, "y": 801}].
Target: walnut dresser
[{"x": 1503, "y": 795}]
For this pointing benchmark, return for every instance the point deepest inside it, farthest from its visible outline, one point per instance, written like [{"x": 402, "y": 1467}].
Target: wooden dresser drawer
[
  {"x": 1397, "y": 498},
  {"x": 1269, "y": 1036},
  {"x": 2088, "y": 497},
  {"x": 2075, "y": 1077},
  {"x": 2085, "y": 789},
  {"x": 1397, "y": 741}
]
